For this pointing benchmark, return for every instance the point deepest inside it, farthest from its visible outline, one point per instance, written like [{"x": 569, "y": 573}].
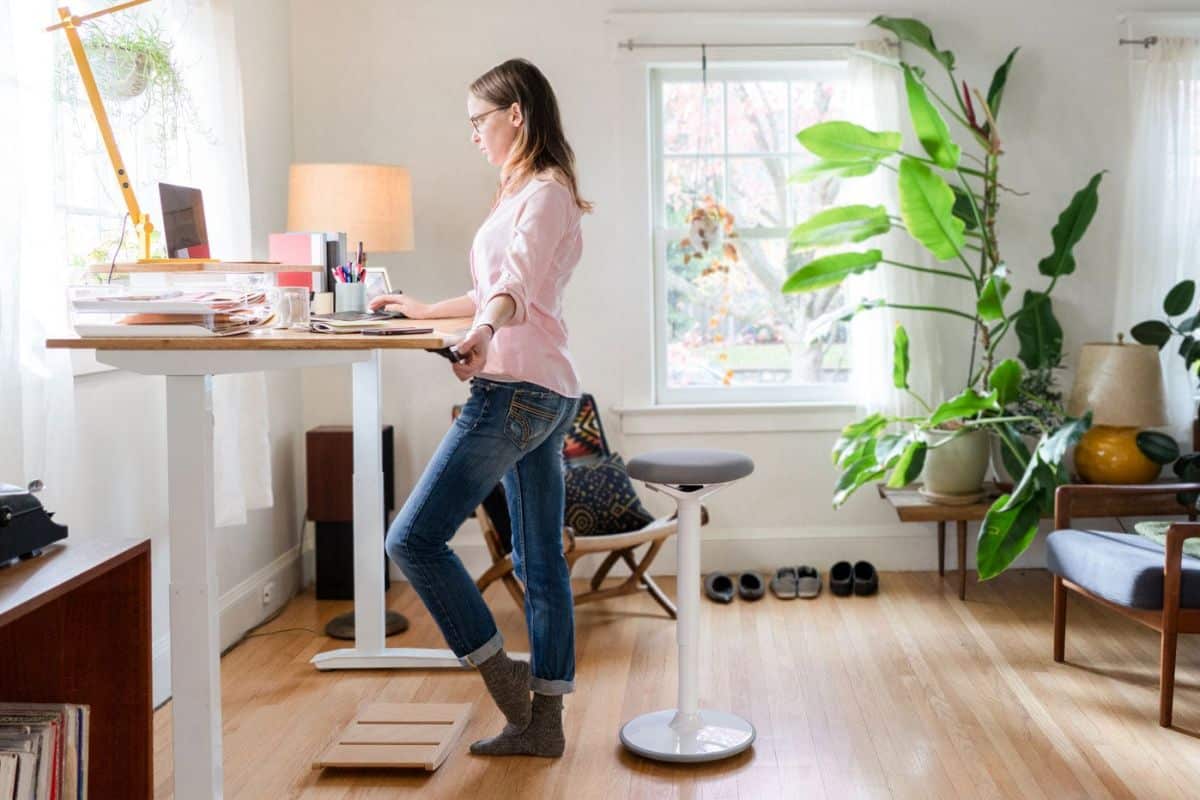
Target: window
[
  {"x": 142, "y": 85},
  {"x": 732, "y": 336}
]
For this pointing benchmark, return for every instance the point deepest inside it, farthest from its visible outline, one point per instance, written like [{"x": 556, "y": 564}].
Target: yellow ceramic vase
[{"x": 1109, "y": 454}]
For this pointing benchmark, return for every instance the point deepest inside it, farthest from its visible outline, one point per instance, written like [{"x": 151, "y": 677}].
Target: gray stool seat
[{"x": 689, "y": 466}]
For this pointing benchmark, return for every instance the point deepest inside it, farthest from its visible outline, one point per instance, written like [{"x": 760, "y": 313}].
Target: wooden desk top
[
  {"x": 28, "y": 585},
  {"x": 911, "y": 506},
  {"x": 445, "y": 332}
]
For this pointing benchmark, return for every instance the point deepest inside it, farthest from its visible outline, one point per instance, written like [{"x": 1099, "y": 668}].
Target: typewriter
[{"x": 25, "y": 526}]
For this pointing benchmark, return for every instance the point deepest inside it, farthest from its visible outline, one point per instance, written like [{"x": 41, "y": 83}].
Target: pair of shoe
[
  {"x": 861, "y": 579},
  {"x": 719, "y": 587},
  {"x": 792, "y": 582}
]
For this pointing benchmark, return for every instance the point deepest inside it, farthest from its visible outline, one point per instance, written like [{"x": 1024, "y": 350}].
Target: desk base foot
[{"x": 393, "y": 658}]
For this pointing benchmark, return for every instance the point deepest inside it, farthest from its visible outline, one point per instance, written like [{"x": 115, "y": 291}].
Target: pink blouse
[{"x": 527, "y": 248}]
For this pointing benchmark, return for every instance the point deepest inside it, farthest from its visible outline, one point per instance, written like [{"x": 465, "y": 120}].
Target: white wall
[
  {"x": 121, "y": 418},
  {"x": 397, "y": 95}
]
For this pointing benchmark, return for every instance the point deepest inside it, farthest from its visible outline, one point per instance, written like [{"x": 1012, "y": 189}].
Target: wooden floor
[{"x": 909, "y": 694}]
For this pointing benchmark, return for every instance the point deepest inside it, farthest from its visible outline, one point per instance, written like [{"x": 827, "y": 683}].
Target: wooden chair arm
[
  {"x": 1067, "y": 492},
  {"x": 1177, "y": 533}
]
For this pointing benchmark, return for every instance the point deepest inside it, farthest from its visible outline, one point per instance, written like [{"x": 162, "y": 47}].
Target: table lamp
[
  {"x": 1122, "y": 385},
  {"x": 372, "y": 204}
]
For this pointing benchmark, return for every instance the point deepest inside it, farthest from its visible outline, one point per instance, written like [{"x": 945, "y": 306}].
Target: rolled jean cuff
[
  {"x": 544, "y": 686},
  {"x": 484, "y": 652}
]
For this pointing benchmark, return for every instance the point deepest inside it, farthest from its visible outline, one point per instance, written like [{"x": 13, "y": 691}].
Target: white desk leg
[
  {"x": 195, "y": 649},
  {"x": 369, "y": 651}
]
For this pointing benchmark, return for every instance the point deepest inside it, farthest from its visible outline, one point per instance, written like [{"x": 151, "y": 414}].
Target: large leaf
[
  {"x": 1158, "y": 447},
  {"x": 853, "y": 434},
  {"x": 1006, "y": 380},
  {"x": 858, "y": 475},
  {"x": 828, "y": 271},
  {"x": 1152, "y": 332},
  {"x": 900, "y": 362},
  {"x": 1004, "y": 534},
  {"x": 963, "y": 208},
  {"x": 1072, "y": 224},
  {"x": 841, "y": 225},
  {"x": 931, "y": 129},
  {"x": 1013, "y": 451},
  {"x": 915, "y": 32},
  {"x": 833, "y": 169},
  {"x": 927, "y": 206},
  {"x": 991, "y": 298},
  {"x": 909, "y": 466},
  {"x": 1179, "y": 299},
  {"x": 999, "y": 79},
  {"x": 967, "y": 404},
  {"x": 1053, "y": 448},
  {"x": 845, "y": 141},
  {"x": 1038, "y": 331}
]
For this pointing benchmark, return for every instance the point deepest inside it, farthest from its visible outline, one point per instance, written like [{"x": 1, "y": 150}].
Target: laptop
[{"x": 183, "y": 221}]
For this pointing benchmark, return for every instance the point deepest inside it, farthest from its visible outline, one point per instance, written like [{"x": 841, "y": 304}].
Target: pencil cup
[{"x": 350, "y": 296}]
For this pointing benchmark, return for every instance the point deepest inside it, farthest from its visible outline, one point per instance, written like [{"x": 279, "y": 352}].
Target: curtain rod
[
  {"x": 630, "y": 44},
  {"x": 1146, "y": 42}
]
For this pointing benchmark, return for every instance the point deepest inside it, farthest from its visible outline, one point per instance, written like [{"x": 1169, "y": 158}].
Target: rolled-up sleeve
[{"x": 529, "y": 258}]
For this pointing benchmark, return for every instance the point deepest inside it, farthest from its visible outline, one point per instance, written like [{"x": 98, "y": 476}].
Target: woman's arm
[{"x": 462, "y": 306}]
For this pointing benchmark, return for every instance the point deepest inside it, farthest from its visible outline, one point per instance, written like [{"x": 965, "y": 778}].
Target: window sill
[{"x": 736, "y": 418}]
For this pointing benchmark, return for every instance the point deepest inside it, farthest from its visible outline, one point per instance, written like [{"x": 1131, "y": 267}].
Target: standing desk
[{"x": 188, "y": 365}]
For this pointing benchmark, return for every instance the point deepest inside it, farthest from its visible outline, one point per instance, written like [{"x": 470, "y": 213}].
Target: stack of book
[
  {"x": 169, "y": 312},
  {"x": 43, "y": 751}
]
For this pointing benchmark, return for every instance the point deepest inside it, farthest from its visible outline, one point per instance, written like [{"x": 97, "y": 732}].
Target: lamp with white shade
[{"x": 1122, "y": 385}]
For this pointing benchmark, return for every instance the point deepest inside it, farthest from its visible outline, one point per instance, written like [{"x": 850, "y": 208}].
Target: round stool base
[{"x": 708, "y": 736}]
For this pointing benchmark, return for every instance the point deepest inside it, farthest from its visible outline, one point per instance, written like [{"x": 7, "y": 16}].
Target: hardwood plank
[{"x": 908, "y": 694}]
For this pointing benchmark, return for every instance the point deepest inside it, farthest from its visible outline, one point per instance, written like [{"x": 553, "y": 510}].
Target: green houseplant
[{"x": 949, "y": 202}]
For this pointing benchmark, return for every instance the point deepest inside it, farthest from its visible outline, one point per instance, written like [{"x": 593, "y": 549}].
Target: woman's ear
[{"x": 515, "y": 116}]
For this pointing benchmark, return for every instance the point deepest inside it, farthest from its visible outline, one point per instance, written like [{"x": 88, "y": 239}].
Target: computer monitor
[{"x": 183, "y": 221}]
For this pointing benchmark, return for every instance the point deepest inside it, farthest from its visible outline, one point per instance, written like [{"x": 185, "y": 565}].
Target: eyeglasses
[{"x": 475, "y": 120}]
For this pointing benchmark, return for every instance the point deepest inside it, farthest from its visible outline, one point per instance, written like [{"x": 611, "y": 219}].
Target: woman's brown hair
[{"x": 540, "y": 143}]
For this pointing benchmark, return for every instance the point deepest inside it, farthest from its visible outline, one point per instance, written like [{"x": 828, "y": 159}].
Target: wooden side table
[{"x": 912, "y": 506}]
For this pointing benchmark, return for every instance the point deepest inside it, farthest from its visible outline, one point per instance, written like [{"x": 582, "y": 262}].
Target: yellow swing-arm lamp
[{"x": 70, "y": 24}]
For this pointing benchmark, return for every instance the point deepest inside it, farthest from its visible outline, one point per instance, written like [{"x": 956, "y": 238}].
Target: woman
[{"x": 524, "y": 396}]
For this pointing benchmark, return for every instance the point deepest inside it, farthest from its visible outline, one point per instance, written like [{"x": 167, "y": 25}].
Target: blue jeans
[{"x": 511, "y": 433}]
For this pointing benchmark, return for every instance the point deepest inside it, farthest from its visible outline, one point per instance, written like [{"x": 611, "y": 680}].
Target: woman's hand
[
  {"x": 410, "y": 307},
  {"x": 472, "y": 352}
]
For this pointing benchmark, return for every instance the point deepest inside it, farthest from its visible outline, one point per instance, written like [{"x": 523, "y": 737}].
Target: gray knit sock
[
  {"x": 508, "y": 683},
  {"x": 542, "y": 737}
]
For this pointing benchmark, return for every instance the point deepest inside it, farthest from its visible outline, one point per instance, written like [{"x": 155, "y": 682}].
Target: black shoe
[
  {"x": 718, "y": 587},
  {"x": 866, "y": 579},
  {"x": 750, "y": 586},
  {"x": 841, "y": 579}
]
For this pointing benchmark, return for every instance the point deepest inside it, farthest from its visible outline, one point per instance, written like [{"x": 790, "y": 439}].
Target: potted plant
[{"x": 949, "y": 202}]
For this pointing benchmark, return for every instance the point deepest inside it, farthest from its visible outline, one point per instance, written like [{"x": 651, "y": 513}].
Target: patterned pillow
[
  {"x": 586, "y": 438},
  {"x": 601, "y": 498}
]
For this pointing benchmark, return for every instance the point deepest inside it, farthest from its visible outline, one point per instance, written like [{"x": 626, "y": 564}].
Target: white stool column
[{"x": 687, "y": 732}]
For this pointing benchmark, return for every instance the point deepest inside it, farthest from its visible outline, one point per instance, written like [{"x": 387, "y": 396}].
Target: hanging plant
[{"x": 711, "y": 241}]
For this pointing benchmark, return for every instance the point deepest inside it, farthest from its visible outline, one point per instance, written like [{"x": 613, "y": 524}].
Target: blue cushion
[{"x": 1124, "y": 568}]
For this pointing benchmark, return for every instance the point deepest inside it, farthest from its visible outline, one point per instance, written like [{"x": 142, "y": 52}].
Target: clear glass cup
[{"x": 291, "y": 307}]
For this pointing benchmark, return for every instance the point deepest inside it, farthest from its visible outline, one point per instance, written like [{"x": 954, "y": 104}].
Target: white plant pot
[{"x": 957, "y": 467}]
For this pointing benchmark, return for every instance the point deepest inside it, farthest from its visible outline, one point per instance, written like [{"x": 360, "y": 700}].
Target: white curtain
[
  {"x": 1160, "y": 242},
  {"x": 878, "y": 103},
  {"x": 37, "y": 386},
  {"x": 206, "y": 54},
  {"x": 37, "y": 410}
]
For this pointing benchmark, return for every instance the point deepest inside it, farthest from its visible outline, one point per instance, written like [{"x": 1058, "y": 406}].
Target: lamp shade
[
  {"x": 371, "y": 203},
  {"x": 1121, "y": 383}
]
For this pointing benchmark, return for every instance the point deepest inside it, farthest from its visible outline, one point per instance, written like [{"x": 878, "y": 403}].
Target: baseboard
[
  {"x": 241, "y": 608},
  {"x": 896, "y": 547}
]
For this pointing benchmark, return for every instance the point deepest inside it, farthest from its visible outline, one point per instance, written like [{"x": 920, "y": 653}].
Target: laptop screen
[{"x": 183, "y": 221}]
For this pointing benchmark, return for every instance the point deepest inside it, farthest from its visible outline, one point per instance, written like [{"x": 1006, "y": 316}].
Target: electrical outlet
[{"x": 268, "y": 593}]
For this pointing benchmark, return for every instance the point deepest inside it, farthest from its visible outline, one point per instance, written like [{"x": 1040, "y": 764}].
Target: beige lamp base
[{"x": 1109, "y": 454}]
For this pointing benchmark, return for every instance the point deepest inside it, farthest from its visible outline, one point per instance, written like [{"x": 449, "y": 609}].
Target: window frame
[{"x": 789, "y": 69}]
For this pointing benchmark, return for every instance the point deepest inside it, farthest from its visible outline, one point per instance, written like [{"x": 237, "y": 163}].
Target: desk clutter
[{"x": 43, "y": 751}]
